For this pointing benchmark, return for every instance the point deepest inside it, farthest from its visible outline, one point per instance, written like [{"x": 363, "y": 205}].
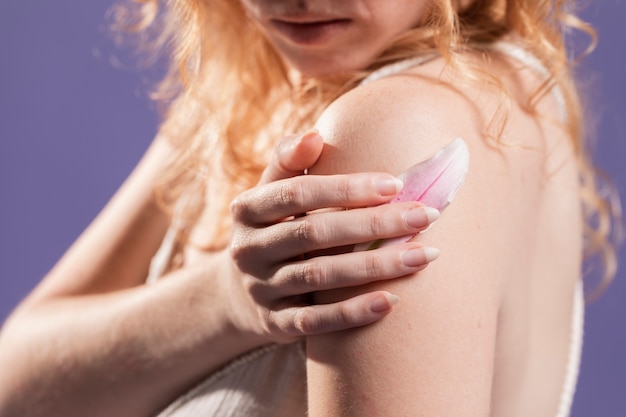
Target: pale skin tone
[
  {"x": 91, "y": 331},
  {"x": 485, "y": 330},
  {"x": 460, "y": 337}
]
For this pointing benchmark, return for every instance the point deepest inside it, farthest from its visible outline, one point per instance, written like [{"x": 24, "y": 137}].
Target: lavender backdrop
[{"x": 72, "y": 126}]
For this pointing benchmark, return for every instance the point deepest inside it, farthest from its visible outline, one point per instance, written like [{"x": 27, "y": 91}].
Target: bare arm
[
  {"x": 114, "y": 252},
  {"x": 92, "y": 340},
  {"x": 434, "y": 355}
]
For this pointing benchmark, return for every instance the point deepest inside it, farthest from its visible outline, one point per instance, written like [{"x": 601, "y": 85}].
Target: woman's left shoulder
[
  {"x": 395, "y": 121},
  {"x": 389, "y": 125},
  {"x": 407, "y": 110}
]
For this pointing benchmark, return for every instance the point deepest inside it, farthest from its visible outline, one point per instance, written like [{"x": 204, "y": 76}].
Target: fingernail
[
  {"x": 419, "y": 256},
  {"x": 388, "y": 185},
  {"x": 383, "y": 302},
  {"x": 309, "y": 133},
  {"x": 421, "y": 216}
]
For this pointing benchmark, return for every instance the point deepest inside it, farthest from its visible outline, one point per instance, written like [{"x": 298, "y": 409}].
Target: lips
[{"x": 313, "y": 32}]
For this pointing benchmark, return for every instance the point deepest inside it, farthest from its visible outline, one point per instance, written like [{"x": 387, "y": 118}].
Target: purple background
[{"x": 72, "y": 126}]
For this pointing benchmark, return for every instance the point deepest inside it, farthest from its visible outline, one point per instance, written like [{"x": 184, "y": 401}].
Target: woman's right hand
[{"x": 289, "y": 244}]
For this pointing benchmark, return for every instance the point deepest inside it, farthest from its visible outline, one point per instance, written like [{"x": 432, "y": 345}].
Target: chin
[{"x": 324, "y": 68}]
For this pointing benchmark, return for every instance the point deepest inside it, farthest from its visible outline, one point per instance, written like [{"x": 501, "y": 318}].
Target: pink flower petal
[
  {"x": 436, "y": 181},
  {"x": 433, "y": 182}
]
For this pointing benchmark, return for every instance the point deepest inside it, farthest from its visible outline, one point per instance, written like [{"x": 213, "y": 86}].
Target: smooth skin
[
  {"x": 366, "y": 28},
  {"x": 92, "y": 339},
  {"x": 485, "y": 330},
  {"x": 280, "y": 279}
]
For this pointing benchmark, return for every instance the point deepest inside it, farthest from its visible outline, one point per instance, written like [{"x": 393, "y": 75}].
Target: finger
[
  {"x": 273, "y": 202},
  {"x": 316, "y": 319},
  {"x": 292, "y": 155},
  {"x": 323, "y": 230},
  {"x": 332, "y": 229},
  {"x": 345, "y": 270}
]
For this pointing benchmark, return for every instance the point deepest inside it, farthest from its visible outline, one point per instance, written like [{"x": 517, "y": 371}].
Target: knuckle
[
  {"x": 238, "y": 252},
  {"x": 346, "y": 317},
  {"x": 245, "y": 255},
  {"x": 344, "y": 189},
  {"x": 308, "y": 276},
  {"x": 268, "y": 322},
  {"x": 249, "y": 284},
  {"x": 255, "y": 289},
  {"x": 377, "y": 224},
  {"x": 239, "y": 207},
  {"x": 305, "y": 231},
  {"x": 291, "y": 194},
  {"x": 277, "y": 329},
  {"x": 374, "y": 266},
  {"x": 305, "y": 321}
]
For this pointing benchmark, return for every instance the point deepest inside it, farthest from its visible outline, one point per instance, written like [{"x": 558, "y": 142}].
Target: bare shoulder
[
  {"x": 395, "y": 122},
  {"x": 411, "y": 111},
  {"x": 445, "y": 327},
  {"x": 405, "y": 116}
]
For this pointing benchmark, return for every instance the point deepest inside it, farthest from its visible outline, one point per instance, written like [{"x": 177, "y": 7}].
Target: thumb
[{"x": 292, "y": 155}]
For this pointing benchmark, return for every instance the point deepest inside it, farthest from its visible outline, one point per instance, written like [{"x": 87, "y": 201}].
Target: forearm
[
  {"x": 114, "y": 252},
  {"x": 126, "y": 353}
]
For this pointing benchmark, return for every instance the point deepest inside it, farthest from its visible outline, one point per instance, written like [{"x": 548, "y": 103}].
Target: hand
[{"x": 273, "y": 241}]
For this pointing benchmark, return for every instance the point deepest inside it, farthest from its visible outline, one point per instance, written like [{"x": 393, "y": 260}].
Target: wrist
[{"x": 241, "y": 312}]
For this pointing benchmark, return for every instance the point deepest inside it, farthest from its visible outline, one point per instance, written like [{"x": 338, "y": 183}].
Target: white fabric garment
[{"x": 269, "y": 381}]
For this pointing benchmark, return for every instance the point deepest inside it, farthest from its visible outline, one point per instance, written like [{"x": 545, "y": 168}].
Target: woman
[
  {"x": 485, "y": 330},
  {"x": 92, "y": 331}
]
